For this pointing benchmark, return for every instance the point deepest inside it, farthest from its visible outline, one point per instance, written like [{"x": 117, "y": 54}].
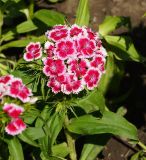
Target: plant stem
[
  {"x": 142, "y": 146},
  {"x": 70, "y": 141}
]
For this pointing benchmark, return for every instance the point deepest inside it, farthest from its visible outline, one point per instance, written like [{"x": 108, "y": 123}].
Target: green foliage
[
  {"x": 15, "y": 149},
  {"x": 47, "y": 127},
  {"x": 82, "y": 13},
  {"x": 109, "y": 123},
  {"x": 92, "y": 102},
  {"x": 113, "y": 22},
  {"x": 50, "y": 18},
  {"x": 123, "y": 48}
]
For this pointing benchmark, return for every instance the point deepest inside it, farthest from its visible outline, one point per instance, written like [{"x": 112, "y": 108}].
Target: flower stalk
[{"x": 70, "y": 141}]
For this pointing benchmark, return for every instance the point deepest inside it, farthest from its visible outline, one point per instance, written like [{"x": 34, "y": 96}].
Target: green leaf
[
  {"x": 55, "y": 124},
  {"x": 35, "y": 132},
  {"x": 109, "y": 123},
  {"x": 24, "y": 27},
  {"x": 138, "y": 156},
  {"x": 144, "y": 15},
  {"x": 111, "y": 23},
  {"x": 49, "y": 17},
  {"x": 60, "y": 150},
  {"x": 83, "y": 13},
  {"x": 93, "y": 146},
  {"x": 123, "y": 48},
  {"x": 15, "y": 149},
  {"x": 22, "y": 42},
  {"x": 53, "y": 1},
  {"x": 114, "y": 74},
  {"x": 92, "y": 102},
  {"x": 26, "y": 138}
]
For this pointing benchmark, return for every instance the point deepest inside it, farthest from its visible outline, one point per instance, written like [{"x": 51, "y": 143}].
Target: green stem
[
  {"x": 70, "y": 141},
  {"x": 142, "y": 146}
]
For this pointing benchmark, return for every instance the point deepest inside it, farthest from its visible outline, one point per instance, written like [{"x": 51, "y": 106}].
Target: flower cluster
[
  {"x": 16, "y": 125},
  {"x": 74, "y": 58},
  {"x": 14, "y": 88}
]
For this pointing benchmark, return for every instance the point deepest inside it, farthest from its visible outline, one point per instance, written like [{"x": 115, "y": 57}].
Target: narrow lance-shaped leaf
[
  {"x": 93, "y": 146},
  {"x": 22, "y": 42},
  {"x": 111, "y": 23},
  {"x": 83, "y": 13},
  {"x": 23, "y": 27},
  {"x": 123, "y": 48},
  {"x": 92, "y": 102},
  {"x": 49, "y": 17},
  {"x": 109, "y": 123},
  {"x": 15, "y": 149}
]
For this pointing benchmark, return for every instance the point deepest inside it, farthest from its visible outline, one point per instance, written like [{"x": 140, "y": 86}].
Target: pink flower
[
  {"x": 54, "y": 67},
  {"x": 91, "y": 34},
  {"x": 49, "y": 49},
  {"x": 19, "y": 90},
  {"x": 73, "y": 85},
  {"x": 65, "y": 49},
  {"x": 56, "y": 82},
  {"x": 98, "y": 62},
  {"x": 33, "y": 51},
  {"x": 15, "y": 127},
  {"x": 13, "y": 110},
  {"x": 86, "y": 47},
  {"x": 57, "y": 33},
  {"x": 4, "y": 90},
  {"x": 92, "y": 78},
  {"x": 78, "y": 67},
  {"x": 6, "y": 79},
  {"x": 76, "y": 31}
]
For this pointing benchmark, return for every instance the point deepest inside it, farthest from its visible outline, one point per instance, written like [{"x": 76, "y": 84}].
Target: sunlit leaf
[
  {"x": 111, "y": 23},
  {"x": 49, "y": 17},
  {"x": 82, "y": 16},
  {"x": 109, "y": 123},
  {"x": 24, "y": 27},
  {"x": 123, "y": 48},
  {"x": 93, "y": 146},
  {"x": 35, "y": 132},
  {"x": 92, "y": 102},
  {"x": 26, "y": 138},
  {"x": 22, "y": 42},
  {"x": 60, "y": 150},
  {"x": 15, "y": 149}
]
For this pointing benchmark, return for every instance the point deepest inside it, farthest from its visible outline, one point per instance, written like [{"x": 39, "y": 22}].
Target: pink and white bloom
[
  {"x": 6, "y": 79},
  {"x": 76, "y": 31},
  {"x": 98, "y": 62},
  {"x": 33, "y": 51},
  {"x": 92, "y": 78},
  {"x": 86, "y": 47},
  {"x": 49, "y": 49},
  {"x": 53, "y": 67},
  {"x": 57, "y": 34},
  {"x": 79, "y": 67},
  {"x": 13, "y": 110},
  {"x": 72, "y": 85},
  {"x": 65, "y": 49},
  {"x": 56, "y": 82},
  {"x": 19, "y": 90},
  {"x": 15, "y": 127}
]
